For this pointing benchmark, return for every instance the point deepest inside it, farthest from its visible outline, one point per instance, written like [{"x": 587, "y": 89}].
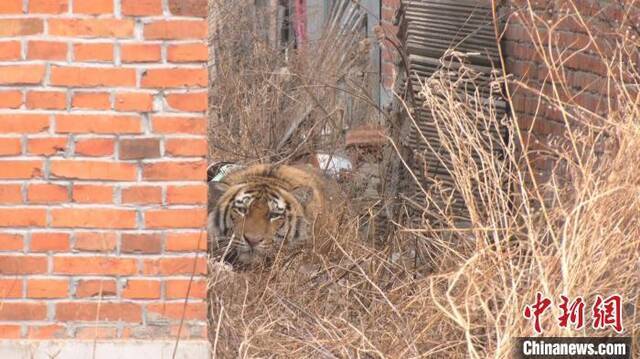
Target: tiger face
[{"x": 253, "y": 222}]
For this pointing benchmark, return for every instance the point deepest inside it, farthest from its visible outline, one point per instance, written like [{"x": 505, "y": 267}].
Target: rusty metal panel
[{"x": 428, "y": 29}]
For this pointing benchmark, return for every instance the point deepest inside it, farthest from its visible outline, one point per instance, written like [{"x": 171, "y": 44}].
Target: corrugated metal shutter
[{"x": 428, "y": 28}]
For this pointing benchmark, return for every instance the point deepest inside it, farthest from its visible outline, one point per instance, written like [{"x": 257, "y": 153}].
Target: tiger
[{"x": 259, "y": 211}]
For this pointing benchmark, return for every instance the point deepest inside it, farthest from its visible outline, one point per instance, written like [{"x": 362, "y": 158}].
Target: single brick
[
  {"x": 146, "y": 332},
  {"x": 196, "y": 52},
  {"x": 92, "y": 76},
  {"x": 96, "y": 52},
  {"x": 47, "y": 100},
  {"x": 81, "y": 265},
  {"x": 95, "y": 241},
  {"x": 47, "y": 193},
  {"x": 139, "y": 148},
  {"x": 92, "y": 311},
  {"x": 93, "y": 218},
  {"x": 186, "y": 147},
  {"x": 190, "y": 331},
  {"x": 142, "y": 195},
  {"x": 174, "y": 77},
  {"x": 96, "y": 288},
  {"x": 177, "y": 289},
  {"x": 93, "y": 170},
  {"x": 10, "y": 194},
  {"x": 102, "y": 124},
  {"x": 134, "y": 102},
  {"x": 21, "y": 74},
  {"x": 11, "y": 288},
  {"x": 46, "y": 146},
  {"x": 21, "y": 27},
  {"x": 141, "y": 7},
  {"x": 177, "y": 311},
  {"x": 93, "y": 7},
  {"x": 10, "y": 99},
  {"x": 96, "y": 332},
  {"x": 186, "y": 242},
  {"x": 190, "y": 102},
  {"x": 23, "y": 311},
  {"x": 197, "y": 8},
  {"x": 51, "y": 241},
  {"x": 16, "y": 123},
  {"x": 52, "y": 331},
  {"x": 11, "y": 242},
  {"x": 11, "y": 7},
  {"x": 132, "y": 53},
  {"x": 175, "y": 218},
  {"x": 10, "y": 331},
  {"x": 20, "y": 264},
  {"x": 95, "y": 147},
  {"x": 141, "y": 243},
  {"x": 196, "y": 194},
  {"x": 88, "y": 193},
  {"x": 91, "y": 100},
  {"x": 141, "y": 289},
  {"x": 47, "y": 50},
  {"x": 174, "y": 266},
  {"x": 176, "y": 30},
  {"x": 17, "y": 169},
  {"x": 48, "y": 6},
  {"x": 47, "y": 288},
  {"x": 97, "y": 28},
  {"x": 174, "y": 171},
  {"x": 10, "y": 146},
  {"x": 22, "y": 217},
  {"x": 179, "y": 125},
  {"x": 10, "y": 50}
]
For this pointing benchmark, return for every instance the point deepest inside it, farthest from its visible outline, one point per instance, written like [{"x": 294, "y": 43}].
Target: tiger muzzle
[{"x": 253, "y": 241}]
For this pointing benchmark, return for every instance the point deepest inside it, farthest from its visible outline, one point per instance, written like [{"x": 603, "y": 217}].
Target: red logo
[
  {"x": 535, "y": 311},
  {"x": 605, "y": 312},
  {"x": 572, "y": 313},
  {"x": 608, "y": 312}
]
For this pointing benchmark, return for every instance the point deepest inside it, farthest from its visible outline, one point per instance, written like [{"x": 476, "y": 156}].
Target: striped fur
[{"x": 264, "y": 209}]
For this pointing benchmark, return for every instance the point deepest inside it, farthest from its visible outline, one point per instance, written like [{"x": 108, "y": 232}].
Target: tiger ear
[
  {"x": 303, "y": 194},
  {"x": 216, "y": 190}
]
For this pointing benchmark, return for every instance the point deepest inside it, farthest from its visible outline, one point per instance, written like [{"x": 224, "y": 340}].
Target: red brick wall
[
  {"x": 102, "y": 168},
  {"x": 582, "y": 82}
]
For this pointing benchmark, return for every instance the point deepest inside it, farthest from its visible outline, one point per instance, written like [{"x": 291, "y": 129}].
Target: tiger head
[{"x": 253, "y": 221}]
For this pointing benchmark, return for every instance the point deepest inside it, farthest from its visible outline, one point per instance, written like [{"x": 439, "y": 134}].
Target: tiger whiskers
[{"x": 227, "y": 250}]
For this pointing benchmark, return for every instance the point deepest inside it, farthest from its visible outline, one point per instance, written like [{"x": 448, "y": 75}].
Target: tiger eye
[{"x": 274, "y": 216}]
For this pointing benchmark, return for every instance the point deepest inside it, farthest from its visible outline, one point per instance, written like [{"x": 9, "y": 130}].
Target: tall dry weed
[{"x": 278, "y": 100}]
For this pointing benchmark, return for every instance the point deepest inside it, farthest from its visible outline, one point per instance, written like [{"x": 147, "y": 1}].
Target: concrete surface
[{"x": 123, "y": 349}]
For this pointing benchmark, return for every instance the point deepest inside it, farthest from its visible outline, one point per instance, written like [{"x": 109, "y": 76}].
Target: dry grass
[
  {"x": 577, "y": 233},
  {"x": 277, "y": 101}
]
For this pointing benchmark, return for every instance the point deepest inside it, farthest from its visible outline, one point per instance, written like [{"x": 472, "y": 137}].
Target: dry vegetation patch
[{"x": 436, "y": 290}]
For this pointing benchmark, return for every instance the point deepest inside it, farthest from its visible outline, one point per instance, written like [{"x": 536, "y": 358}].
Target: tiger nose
[{"x": 252, "y": 240}]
